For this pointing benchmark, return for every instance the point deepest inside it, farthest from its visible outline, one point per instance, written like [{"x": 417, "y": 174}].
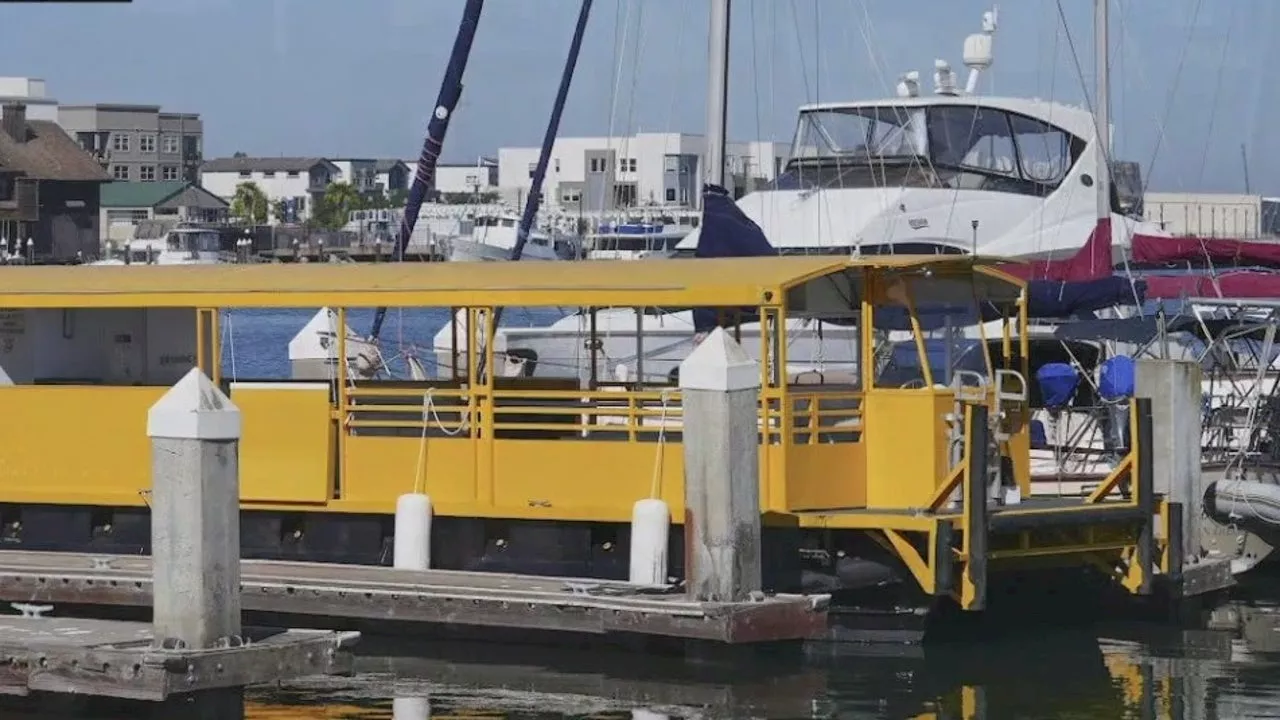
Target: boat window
[
  {"x": 972, "y": 137},
  {"x": 865, "y": 132},
  {"x": 943, "y": 146},
  {"x": 1044, "y": 150}
]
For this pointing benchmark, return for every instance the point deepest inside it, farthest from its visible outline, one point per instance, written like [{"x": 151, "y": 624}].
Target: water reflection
[{"x": 1224, "y": 668}]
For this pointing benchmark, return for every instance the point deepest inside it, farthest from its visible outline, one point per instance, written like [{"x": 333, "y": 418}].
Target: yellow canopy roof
[{"x": 659, "y": 282}]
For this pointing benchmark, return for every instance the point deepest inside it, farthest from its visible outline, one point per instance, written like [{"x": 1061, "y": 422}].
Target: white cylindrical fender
[
  {"x": 410, "y": 708},
  {"x": 413, "y": 532},
  {"x": 650, "y": 527}
]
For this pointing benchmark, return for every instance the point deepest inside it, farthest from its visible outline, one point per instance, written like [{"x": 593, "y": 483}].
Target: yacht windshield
[
  {"x": 963, "y": 147},
  {"x": 865, "y": 132}
]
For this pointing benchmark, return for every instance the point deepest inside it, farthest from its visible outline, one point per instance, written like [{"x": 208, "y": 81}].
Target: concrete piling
[
  {"x": 1176, "y": 393},
  {"x": 195, "y": 527},
  {"x": 720, "y": 387}
]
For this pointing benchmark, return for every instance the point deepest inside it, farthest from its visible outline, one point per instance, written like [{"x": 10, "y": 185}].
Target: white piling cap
[
  {"x": 318, "y": 339},
  {"x": 194, "y": 409},
  {"x": 719, "y": 363}
]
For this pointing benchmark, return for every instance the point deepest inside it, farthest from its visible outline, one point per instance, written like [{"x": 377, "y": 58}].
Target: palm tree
[
  {"x": 339, "y": 200},
  {"x": 250, "y": 204}
]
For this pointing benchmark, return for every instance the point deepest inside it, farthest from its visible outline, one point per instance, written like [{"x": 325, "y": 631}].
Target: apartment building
[
  {"x": 138, "y": 143},
  {"x": 600, "y": 174},
  {"x": 300, "y": 182},
  {"x": 373, "y": 175}
]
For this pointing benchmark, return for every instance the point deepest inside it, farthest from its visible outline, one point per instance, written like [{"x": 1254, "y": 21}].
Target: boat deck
[{"x": 438, "y": 597}]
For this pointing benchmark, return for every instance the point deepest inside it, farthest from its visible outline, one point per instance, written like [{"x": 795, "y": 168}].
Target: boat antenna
[
  {"x": 548, "y": 141},
  {"x": 446, "y": 101}
]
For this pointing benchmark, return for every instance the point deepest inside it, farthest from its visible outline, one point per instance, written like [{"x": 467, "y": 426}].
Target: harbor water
[
  {"x": 255, "y": 342},
  {"x": 1224, "y": 667}
]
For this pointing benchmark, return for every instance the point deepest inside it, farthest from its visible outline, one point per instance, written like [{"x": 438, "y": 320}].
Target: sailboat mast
[
  {"x": 717, "y": 92},
  {"x": 442, "y": 113},
  {"x": 1102, "y": 109}
]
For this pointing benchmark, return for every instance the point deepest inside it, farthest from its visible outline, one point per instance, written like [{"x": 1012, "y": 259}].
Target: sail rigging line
[
  {"x": 1217, "y": 91},
  {"x": 1177, "y": 79},
  {"x": 925, "y": 162},
  {"x": 437, "y": 128},
  {"x": 544, "y": 157},
  {"x": 1053, "y": 91},
  {"x": 1106, "y": 153}
]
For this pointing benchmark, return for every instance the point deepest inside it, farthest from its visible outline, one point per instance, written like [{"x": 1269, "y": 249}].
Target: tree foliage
[
  {"x": 250, "y": 204},
  {"x": 336, "y": 204}
]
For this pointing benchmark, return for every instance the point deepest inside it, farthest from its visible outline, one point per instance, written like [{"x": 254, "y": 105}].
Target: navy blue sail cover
[
  {"x": 1058, "y": 299},
  {"x": 726, "y": 232}
]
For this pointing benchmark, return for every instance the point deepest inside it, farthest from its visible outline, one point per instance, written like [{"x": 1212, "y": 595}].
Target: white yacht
[
  {"x": 634, "y": 239},
  {"x": 493, "y": 237},
  {"x": 178, "y": 246},
  {"x": 954, "y": 171}
]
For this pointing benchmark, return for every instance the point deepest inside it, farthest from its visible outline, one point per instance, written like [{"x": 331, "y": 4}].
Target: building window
[
  {"x": 671, "y": 195},
  {"x": 120, "y": 142},
  {"x": 170, "y": 144},
  {"x": 146, "y": 143},
  {"x": 293, "y": 173},
  {"x": 533, "y": 168},
  {"x": 472, "y": 180},
  {"x": 268, "y": 173},
  {"x": 557, "y": 164},
  {"x": 120, "y": 172},
  {"x": 670, "y": 163},
  {"x": 169, "y": 173},
  {"x": 684, "y": 196},
  {"x": 148, "y": 173},
  {"x": 631, "y": 164},
  {"x": 595, "y": 165},
  {"x": 245, "y": 174}
]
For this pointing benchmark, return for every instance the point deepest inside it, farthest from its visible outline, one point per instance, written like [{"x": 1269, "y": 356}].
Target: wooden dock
[
  {"x": 432, "y": 597},
  {"x": 122, "y": 660}
]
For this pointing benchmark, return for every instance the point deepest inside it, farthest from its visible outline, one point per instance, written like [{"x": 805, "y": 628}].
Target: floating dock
[
  {"x": 433, "y": 597},
  {"x": 124, "y": 660}
]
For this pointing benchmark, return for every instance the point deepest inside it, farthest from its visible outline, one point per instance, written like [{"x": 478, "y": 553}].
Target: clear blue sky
[{"x": 358, "y": 77}]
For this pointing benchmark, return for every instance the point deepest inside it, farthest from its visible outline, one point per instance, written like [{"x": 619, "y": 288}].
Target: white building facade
[
  {"x": 478, "y": 178},
  {"x": 301, "y": 182},
  {"x": 601, "y": 175},
  {"x": 30, "y": 92}
]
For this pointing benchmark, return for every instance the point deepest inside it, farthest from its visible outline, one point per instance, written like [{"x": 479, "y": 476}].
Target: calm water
[
  {"x": 255, "y": 342},
  {"x": 1226, "y": 667}
]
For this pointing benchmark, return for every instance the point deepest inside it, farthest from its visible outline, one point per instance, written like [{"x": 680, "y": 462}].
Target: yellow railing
[{"x": 612, "y": 413}]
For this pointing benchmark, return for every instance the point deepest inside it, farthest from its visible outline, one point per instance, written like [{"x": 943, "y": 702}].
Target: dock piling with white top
[
  {"x": 195, "y": 651},
  {"x": 195, "y": 514},
  {"x": 720, "y": 386}
]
